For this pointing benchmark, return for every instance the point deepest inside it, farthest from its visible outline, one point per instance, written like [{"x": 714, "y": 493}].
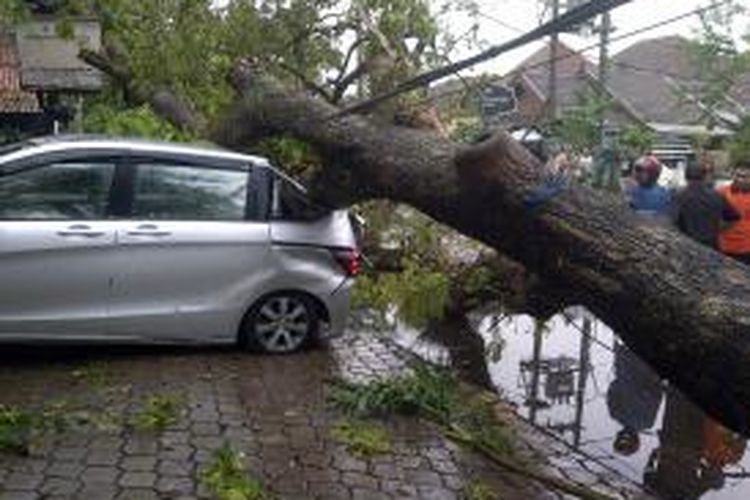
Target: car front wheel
[{"x": 280, "y": 324}]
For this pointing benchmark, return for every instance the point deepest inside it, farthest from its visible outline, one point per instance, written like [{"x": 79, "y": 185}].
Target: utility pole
[
  {"x": 606, "y": 172},
  {"x": 584, "y": 360},
  {"x": 553, "y": 56},
  {"x": 536, "y": 370},
  {"x": 604, "y": 32}
]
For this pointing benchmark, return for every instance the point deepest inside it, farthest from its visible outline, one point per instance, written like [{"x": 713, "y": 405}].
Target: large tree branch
[
  {"x": 351, "y": 51},
  {"x": 681, "y": 306},
  {"x": 164, "y": 102},
  {"x": 306, "y": 82},
  {"x": 342, "y": 84}
]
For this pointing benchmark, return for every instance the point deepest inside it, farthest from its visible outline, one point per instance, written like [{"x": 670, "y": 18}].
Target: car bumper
[{"x": 338, "y": 304}]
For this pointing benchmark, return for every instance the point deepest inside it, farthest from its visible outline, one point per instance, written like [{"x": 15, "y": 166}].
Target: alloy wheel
[{"x": 283, "y": 324}]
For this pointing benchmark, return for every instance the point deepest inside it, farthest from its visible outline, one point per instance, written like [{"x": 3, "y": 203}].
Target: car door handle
[
  {"x": 81, "y": 230},
  {"x": 149, "y": 230}
]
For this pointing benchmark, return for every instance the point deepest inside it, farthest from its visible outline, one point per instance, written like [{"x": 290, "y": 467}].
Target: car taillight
[{"x": 349, "y": 259}]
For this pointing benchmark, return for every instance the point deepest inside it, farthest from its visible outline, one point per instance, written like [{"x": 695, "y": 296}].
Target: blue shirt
[{"x": 654, "y": 199}]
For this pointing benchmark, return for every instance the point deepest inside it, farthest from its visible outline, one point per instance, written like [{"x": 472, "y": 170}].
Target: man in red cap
[{"x": 648, "y": 197}]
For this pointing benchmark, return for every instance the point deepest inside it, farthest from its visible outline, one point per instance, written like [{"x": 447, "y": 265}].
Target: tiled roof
[
  {"x": 741, "y": 91},
  {"x": 654, "y": 75},
  {"x": 12, "y": 98},
  {"x": 572, "y": 69},
  {"x": 661, "y": 78},
  {"x": 657, "y": 80}
]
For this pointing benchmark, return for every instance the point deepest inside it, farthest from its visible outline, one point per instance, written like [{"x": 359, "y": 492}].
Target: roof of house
[
  {"x": 656, "y": 80},
  {"x": 741, "y": 91},
  {"x": 656, "y": 77},
  {"x": 573, "y": 72},
  {"x": 12, "y": 98}
]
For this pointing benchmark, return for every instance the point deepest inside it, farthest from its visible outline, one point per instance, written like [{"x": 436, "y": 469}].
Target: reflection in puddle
[{"x": 572, "y": 376}]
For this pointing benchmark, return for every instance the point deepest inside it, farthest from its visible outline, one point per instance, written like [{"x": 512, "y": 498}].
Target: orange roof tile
[{"x": 12, "y": 98}]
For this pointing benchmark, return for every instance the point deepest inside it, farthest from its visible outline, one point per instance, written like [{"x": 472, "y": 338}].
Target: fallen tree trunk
[{"x": 680, "y": 306}]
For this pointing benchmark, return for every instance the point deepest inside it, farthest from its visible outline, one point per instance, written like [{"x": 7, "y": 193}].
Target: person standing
[
  {"x": 699, "y": 211},
  {"x": 647, "y": 196},
  {"x": 735, "y": 239},
  {"x": 633, "y": 399},
  {"x": 694, "y": 451}
]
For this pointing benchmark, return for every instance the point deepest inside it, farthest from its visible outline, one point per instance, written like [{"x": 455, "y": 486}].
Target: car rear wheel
[{"x": 281, "y": 323}]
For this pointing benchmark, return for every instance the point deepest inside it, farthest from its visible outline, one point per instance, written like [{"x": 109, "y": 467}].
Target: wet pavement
[
  {"x": 271, "y": 409},
  {"x": 572, "y": 378}
]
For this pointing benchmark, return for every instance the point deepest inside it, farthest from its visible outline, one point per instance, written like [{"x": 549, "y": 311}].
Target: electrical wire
[
  {"x": 623, "y": 65},
  {"x": 500, "y": 22},
  {"x": 593, "y": 338},
  {"x": 571, "y": 18},
  {"x": 624, "y": 36}
]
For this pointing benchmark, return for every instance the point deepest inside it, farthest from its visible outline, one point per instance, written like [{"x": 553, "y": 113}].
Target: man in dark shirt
[
  {"x": 633, "y": 399},
  {"x": 699, "y": 211}
]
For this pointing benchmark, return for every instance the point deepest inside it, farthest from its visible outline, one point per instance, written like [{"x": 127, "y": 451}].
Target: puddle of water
[{"x": 591, "y": 391}]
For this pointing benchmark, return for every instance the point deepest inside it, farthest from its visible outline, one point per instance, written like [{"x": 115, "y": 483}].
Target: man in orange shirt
[{"x": 735, "y": 239}]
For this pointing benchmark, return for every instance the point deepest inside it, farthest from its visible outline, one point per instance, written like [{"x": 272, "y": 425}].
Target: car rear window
[{"x": 176, "y": 192}]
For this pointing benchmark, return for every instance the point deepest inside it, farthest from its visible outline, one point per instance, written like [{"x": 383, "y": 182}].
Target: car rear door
[
  {"x": 55, "y": 248},
  {"x": 190, "y": 251}
]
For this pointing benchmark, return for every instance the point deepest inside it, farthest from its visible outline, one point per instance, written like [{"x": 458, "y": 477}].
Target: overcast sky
[{"x": 523, "y": 15}]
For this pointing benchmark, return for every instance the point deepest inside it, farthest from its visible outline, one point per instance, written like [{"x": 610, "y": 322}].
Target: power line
[
  {"x": 571, "y": 18},
  {"x": 636, "y": 32},
  {"x": 572, "y": 321},
  {"x": 668, "y": 21},
  {"x": 500, "y": 22},
  {"x": 624, "y": 36}
]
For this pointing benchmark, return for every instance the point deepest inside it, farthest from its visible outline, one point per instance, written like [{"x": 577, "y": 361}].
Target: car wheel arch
[{"x": 321, "y": 310}]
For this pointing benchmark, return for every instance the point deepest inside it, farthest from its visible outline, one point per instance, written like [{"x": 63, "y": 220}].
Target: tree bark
[
  {"x": 682, "y": 307},
  {"x": 465, "y": 346}
]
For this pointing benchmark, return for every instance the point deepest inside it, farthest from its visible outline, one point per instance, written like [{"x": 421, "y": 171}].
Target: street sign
[{"x": 497, "y": 101}]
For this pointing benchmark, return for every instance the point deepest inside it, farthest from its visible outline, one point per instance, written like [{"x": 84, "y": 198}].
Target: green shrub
[
  {"x": 158, "y": 413},
  {"x": 432, "y": 394},
  {"x": 362, "y": 439},
  {"x": 228, "y": 479},
  {"x": 16, "y": 429}
]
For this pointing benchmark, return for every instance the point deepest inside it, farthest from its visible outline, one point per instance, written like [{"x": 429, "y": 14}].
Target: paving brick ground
[{"x": 272, "y": 409}]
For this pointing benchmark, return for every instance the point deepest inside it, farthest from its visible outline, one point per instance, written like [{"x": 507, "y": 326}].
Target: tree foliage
[
  {"x": 11, "y": 12},
  {"x": 739, "y": 147},
  {"x": 333, "y": 48},
  {"x": 716, "y": 56},
  {"x": 636, "y": 140},
  {"x": 579, "y": 128}
]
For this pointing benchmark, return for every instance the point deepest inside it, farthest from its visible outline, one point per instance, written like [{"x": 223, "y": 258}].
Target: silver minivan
[{"x": 115, "y": 240}]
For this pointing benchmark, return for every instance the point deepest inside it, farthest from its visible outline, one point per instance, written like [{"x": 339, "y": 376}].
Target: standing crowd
[{"x": 716, "y": 217}]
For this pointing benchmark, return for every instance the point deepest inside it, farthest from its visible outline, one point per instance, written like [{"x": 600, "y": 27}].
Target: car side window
[
  {"x": 294, "y": 205},
  {"x": 177, "y": 192},
  {"x": 57, "y": 191}
]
